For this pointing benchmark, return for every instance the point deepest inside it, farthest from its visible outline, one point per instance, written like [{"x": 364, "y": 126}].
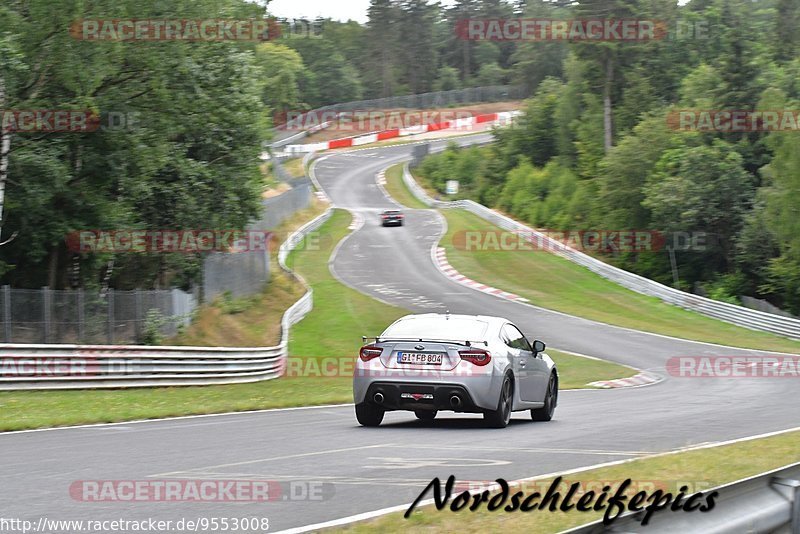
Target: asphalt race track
[{"x": 371, "y": 469}]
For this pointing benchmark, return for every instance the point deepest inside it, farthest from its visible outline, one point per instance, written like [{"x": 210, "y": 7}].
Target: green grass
[
  {"x": 39, "y": 409},
  {"x": 555, "y": 283},
  {"x": 575, "y": 372},
  {"x": 341, "y": 315},
  {"x": 411, "y": 140},
  {"x": 396, "y": 187},
  {"x": 294, "y": 167},
  {"x": 708, "y": 467},
  {"x": 330, "y": 335}
]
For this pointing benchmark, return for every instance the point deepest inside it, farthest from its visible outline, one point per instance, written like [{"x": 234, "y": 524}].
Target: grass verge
[
  {"x": 709, "y": 467},
  {"x": 294, "y": 167},
  {"x": 555, "y": 283},
  {"x": 558, "y": 284},
  {"x": 330, "y": 334},
  {"x": 397, "y": 189},
  {"x": 250, "y": 321}
]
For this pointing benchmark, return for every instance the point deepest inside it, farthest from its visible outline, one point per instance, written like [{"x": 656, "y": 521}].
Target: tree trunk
[
  {"x": 608, "y": 124},
  {"x": 52, "y": 268},
  {"x": 465, "y": 61},
  {"x": 5, "y": 148}
]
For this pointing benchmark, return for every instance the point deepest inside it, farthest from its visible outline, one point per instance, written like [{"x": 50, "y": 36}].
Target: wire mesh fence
[
  {"x": 435, "y": 99},
  {"x": 143, "y": 316},
  {"x": 93, "y": 317}
]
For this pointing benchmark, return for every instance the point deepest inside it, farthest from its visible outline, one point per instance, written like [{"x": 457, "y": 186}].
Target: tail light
[
  {"x": 369, "y": 352},
  {"x": 476, "y": 356}
]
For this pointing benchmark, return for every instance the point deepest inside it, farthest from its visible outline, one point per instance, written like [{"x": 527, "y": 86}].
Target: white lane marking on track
[
  {"x": 416, "y": 463},
  {"x": 350, "y": 480},
  {"x": 286, "y": 457},
  {"x": 600, "y": 452},
  {"x": 358, "y": 221},
  {"x": 403, "y": 507},
  {"x": 172, "y": 419},
  {"x": 632, "y": 330}
]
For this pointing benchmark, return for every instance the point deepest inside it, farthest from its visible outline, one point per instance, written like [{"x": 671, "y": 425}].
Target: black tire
[
  {"x": 369, "y": 414},
  {"x": 500, "y": 417},
  {"x": 546, "y": 412},
  {"x": 425, "y": 415}
]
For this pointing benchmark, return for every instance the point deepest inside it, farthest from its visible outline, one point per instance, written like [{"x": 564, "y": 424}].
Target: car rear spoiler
[{"x": 379, "y": 339}]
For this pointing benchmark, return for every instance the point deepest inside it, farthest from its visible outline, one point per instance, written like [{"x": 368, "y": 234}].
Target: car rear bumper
[{"x": 422, "y": 396}]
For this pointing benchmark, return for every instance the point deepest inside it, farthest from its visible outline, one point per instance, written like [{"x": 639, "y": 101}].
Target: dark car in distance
[{"x": 392, "y": 218}]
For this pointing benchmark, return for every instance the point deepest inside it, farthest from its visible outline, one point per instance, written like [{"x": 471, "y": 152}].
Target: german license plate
[{"x": 421, "y": 358}]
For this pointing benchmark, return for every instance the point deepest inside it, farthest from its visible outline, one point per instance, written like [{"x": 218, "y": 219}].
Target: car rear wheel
[
  {"x": 500, "y": 417},
  {"x": 369, "y": 414},
  {"x": 425, "y": 415},
  {"x": 546, "y": 412}
]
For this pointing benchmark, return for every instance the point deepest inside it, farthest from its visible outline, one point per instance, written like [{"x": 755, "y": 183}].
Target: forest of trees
[
  {"x": 202, "y": 111},
  {"x": 593, "y": 149}
]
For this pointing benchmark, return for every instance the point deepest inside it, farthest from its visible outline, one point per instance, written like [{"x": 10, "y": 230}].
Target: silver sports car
[{"x": 464, "y": 363}]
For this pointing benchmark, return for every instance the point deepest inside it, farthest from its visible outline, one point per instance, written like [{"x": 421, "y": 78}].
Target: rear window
[{"x": 456, "y": 329}]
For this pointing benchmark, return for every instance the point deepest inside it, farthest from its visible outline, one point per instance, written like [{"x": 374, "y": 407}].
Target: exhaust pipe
[
  {"x": 455, "y": 401},
  {"x": 378, "y": 398}
]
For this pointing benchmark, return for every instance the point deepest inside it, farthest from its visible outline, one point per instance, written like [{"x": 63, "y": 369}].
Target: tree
[
  {"x": 447, "y": 80},
  {"x": 532, "y": 62},
  {"x": 625, "y": 169},
  {"x": 534, "y": 135},
  {"x": 786, "y": 22},
  {"x": 702, "y": 189},
  {"x": 382, "y": 37},
  {"x": 282, "y": 68},
  {"x": 418, "y": 53}
]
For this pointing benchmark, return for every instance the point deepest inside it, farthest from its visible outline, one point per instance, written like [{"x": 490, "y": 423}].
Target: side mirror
[{"x": 538, "y": 346}]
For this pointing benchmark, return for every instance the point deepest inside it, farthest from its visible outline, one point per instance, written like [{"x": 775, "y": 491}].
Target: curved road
[{"x": 370, "y": 469}]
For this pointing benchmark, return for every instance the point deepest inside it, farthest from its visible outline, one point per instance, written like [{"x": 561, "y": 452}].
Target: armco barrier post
[
  {"x": 110, "y": 318},
  {"x": 7, "y": 313},
  {"x": 794, "y": 488},
  {"x": 137, "y": 315},
  {"x": 46, "y": 312},
  {"x": 81, "y": 316}
]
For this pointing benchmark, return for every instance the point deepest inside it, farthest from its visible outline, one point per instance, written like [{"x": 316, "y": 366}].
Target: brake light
[
  {"x": 369, "y": 352},
  {"x": 476, "y": 356}
]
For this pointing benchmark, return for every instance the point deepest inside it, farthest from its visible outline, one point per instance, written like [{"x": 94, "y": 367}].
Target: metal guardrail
[
  {"x": 283, "y": 141},
  {"x": 467, "y": 95},
  {"x": 26, "y": 366},
  {"x": 731, "y": 313},
  {"x": 769, "y": 502}
]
